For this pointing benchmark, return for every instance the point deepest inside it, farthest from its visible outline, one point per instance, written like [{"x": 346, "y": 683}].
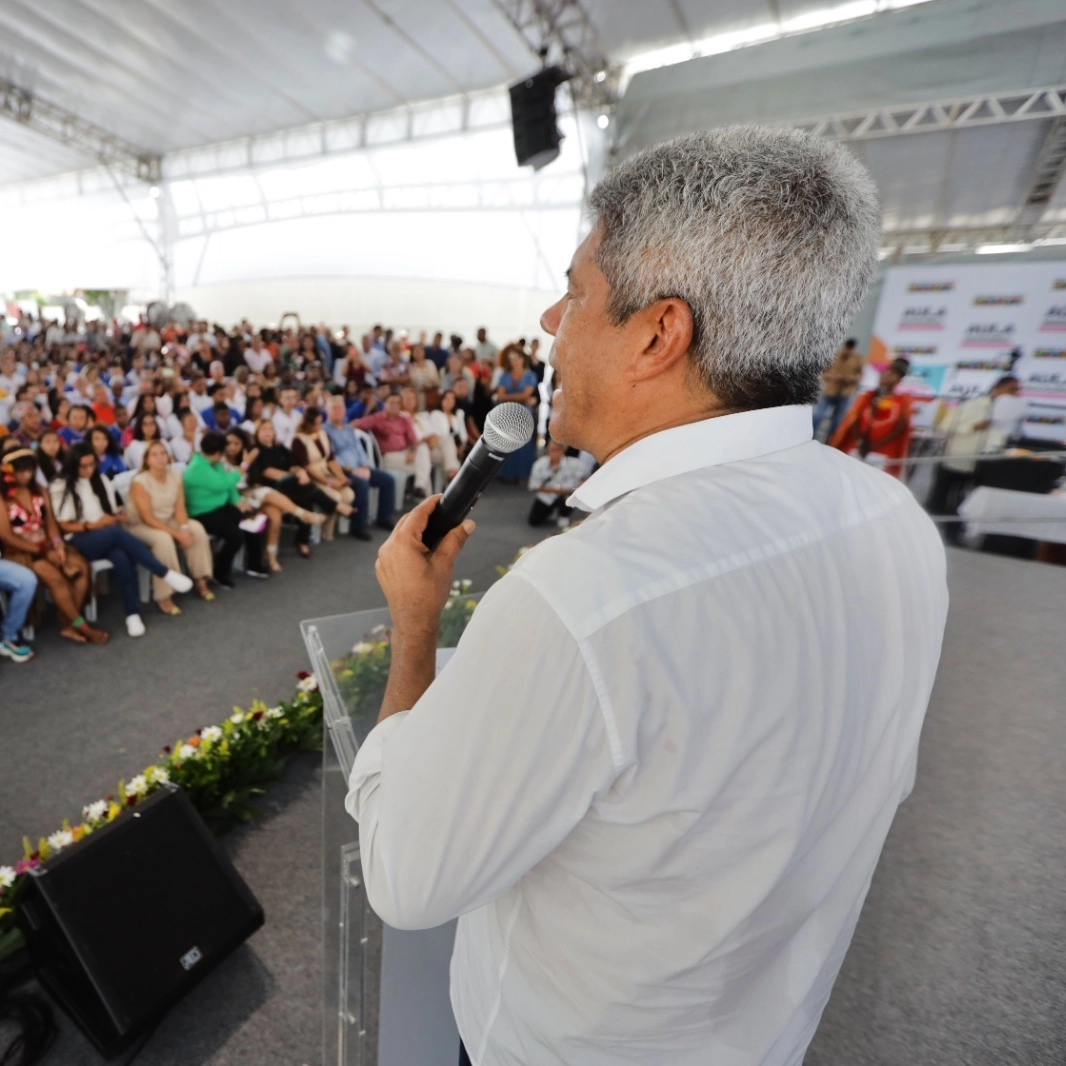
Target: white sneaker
[
  {"x": 135, "y": 625},
  {"x": 177, "y": 581}
]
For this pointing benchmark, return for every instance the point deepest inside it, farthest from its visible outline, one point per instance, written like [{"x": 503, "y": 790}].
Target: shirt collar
[{"x": 710, "y": 442}]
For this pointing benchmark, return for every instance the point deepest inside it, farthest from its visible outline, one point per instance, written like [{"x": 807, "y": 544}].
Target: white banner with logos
[{"x": 963, "y": 327}]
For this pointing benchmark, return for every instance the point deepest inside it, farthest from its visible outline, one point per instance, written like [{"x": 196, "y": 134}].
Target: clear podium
[{"x": 385, "y": 990}]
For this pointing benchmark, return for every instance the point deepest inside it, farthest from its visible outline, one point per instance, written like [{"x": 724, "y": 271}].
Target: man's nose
[{"x": 549, "y": 321}]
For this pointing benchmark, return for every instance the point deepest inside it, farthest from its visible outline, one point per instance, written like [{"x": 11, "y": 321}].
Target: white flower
[
  {"x": 95, "y": 811},
  {"x": 60, "y": 839},
  {"x": 137, "y": 787},
  {"x": 7, "y": 876},
  {"x": 186, "y": 751},
  {"x": 157, "y": 776},
  {"x": 273, "y": 712},
  {"x": 236, "y": 717},
  {"x": 211, "y": 734},
  {"x": 308, "y": 684},
  {"x": 466, "y": 585},
  {"x": 362, "y": 648}
]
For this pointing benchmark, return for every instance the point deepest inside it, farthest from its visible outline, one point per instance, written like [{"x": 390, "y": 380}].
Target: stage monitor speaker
[
  {"x": 123, "y": 923},
  {"x": 533, "y": 117}
]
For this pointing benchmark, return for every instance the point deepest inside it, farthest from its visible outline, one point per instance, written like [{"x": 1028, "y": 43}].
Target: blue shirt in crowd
[{"x": 346, "y": 446}]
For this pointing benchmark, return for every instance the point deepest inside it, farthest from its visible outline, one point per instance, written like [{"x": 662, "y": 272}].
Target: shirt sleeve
[{"x": 490, "y": 771}]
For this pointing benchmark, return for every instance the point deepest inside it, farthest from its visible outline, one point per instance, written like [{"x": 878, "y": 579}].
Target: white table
[{"x": 1015, "y": 514}]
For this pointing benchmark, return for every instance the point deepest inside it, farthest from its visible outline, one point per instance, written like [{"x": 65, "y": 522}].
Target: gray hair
[{"x": 770, "y": 236}]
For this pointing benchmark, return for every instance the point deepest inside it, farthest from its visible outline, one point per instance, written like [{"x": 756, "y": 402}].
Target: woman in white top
[
  {"x": 423, "y": 377},
  {"x": 145, "y": 430},
  {"x": 435, "y": 432},
  {"x": 90, "y": 518},
  {"x": 456, "y": 422},
  {"x": 185, "y": 446}
]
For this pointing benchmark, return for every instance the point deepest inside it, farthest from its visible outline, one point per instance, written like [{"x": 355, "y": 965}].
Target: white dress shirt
[
  {"x": 567, "y": 475},
  {"x": 285, "y": 425},
  {"x": 656, "y": 776}
]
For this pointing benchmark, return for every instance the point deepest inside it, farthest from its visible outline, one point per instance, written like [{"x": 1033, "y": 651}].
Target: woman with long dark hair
[
  {"x": 31, "y": 537},
  {"x": 90, "y": 517},
  {"x": 145, "y": 430},
  {"x": 105, "y": 450},
  {"x": 51, "y": 453}
]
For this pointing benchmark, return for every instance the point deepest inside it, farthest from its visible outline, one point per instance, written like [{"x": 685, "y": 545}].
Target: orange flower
[{"x": 194, "y": 742}]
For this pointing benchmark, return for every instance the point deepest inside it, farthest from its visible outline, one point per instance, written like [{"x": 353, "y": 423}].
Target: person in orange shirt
[
  {"x": 103, "y": 409},
  {"x": 879, "y": 421}
]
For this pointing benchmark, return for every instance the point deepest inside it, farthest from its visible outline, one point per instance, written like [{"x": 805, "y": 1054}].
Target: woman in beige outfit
[{"x": 160, "y": 520}]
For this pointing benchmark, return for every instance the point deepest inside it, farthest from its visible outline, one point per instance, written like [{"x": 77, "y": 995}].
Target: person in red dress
[{"x": 879, "y": 421}]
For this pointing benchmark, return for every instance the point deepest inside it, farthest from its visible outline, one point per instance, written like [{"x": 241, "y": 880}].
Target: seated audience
[
  {"x": 434, "y": 432},
  {"x": 187, "y": 444},
  {"x": 51, "y": 454},
  {"x": 554, "y": 478},
  {"x": 145, "y": 431},
  {"x": 105, "y": 448},
  {"x": 19, "y": 585},
  {"x": 287, "y": 417},
  {"x": 220, "y": 416},
  {"x": 356, "y": 467},
  {"x": 211, "y": 495},
  {"x": 311, "y": 450},
  {"x": 456, "y": 419},
  {"x": 518, "y": 384},
  {"x": 271, "y": 466},
  {"x": 31, "y": 537},
  {"x": 89, "y": 515},
  {"x": 30, "y": 424},
  {"x": 159, "y": 519},
  {"x": 78, "y": 419},
  {"x": 401, "y": 450},
  {"x": 424, "y": 378}
]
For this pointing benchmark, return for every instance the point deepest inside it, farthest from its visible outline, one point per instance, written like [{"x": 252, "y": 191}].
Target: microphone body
[{"x": 507, "y": 428}]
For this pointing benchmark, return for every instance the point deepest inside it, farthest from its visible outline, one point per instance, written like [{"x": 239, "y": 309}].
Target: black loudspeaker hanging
[
  {"x": 122, "y": 924},
  {"x": 534, "y": 119}
]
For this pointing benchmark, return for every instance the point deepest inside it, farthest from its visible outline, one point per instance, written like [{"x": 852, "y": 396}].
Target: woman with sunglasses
[{"x": 90, "y": 517}]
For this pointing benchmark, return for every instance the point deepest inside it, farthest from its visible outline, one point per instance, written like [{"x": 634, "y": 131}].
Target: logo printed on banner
[
  {"x": 988, "y": 335},
  {"x": 1046, "y": 420},
  {"x": 984, "y": 364},
  {"x": 1049, "y": 353},
  {"x": 923, "y": 318},
  {"x": 931, "y": 286},
  {"x": 913, "y": 351},
  {"x": 997, "y": 301},
  {"x": 1046, "y": 383},
  {"x": 1054, "y": 320},
  {"x": 1059, "y": 283}
]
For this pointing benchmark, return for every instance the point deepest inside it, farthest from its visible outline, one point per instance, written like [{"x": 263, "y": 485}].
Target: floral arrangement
[
  {"x": 362, "y": 675},
  {"x": 220, "y": 767}
]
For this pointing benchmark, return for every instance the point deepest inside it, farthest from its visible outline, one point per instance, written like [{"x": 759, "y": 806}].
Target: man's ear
[{"x": 665, "y": 329}]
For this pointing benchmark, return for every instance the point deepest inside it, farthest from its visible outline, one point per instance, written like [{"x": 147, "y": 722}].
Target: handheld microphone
[{"x": 507, "y": 428}]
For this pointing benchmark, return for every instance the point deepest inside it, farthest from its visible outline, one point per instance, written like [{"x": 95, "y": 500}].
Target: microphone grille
[{"x": 508, "y": 427}]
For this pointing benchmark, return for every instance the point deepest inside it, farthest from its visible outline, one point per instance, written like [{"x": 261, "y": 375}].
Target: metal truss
[
  {"x": 988, "y": 109},
  {"x": 65, "y": 127},
  {"x": 558, "y": 193},
  {"x": 896, "y": 243},
  {"x": 563, "y": 27},
  {"x": 1046, "y": 174}
]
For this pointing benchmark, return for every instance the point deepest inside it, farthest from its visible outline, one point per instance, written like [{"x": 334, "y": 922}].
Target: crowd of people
[{"x": 176, "y": 449}]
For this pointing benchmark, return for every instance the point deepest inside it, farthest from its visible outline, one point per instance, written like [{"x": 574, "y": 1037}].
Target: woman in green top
[{"x": 211, "y": 497}]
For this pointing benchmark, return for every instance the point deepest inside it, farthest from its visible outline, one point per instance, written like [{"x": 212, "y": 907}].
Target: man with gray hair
[{"x": 656, "y": 776}]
